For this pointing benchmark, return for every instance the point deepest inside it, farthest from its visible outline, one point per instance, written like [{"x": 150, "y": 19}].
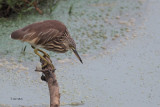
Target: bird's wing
[
  {"x": 41, "y": 38},
  {"x": 40, "y": 32},
  {"x": 37, "y": 37}
]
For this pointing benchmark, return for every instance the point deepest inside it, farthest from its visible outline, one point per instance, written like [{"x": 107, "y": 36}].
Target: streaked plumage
[{"x": 51, "y": 35}]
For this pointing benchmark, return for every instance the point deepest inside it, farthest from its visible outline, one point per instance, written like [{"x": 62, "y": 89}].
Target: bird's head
[{"x": 70, "y": 44}]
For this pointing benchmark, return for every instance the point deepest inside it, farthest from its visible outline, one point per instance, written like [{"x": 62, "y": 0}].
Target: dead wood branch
[{"x": 50, "y": 78}]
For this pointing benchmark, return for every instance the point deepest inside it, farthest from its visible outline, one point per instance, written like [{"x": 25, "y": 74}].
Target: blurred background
[{"x": 117, "y": 40}]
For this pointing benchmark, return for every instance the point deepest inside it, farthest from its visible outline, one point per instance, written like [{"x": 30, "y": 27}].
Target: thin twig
[{"x": 35, "y": 6}]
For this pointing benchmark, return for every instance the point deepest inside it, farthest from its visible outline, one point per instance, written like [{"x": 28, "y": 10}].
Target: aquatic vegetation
[
  {"x": 92, "y": 24},
  {"x": 9, "y": 7}
]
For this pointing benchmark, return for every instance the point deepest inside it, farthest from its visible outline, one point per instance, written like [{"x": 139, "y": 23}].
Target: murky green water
[
  {"x": 92, "y": 23},
  {"x": 95, "y": 25}
]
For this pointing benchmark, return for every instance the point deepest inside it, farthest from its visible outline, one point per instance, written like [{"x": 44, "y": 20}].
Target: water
[
  {"x": 117, "y": 41},
  {"x": 91, "y": 24}
]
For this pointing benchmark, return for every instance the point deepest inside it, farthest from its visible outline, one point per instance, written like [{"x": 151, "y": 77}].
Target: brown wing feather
[
  {"x": 48, "y": 36},
  {"x": 40, "y": 33}
]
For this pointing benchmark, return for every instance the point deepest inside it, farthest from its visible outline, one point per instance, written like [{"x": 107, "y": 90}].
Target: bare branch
[{"x": 50, "y": 77}]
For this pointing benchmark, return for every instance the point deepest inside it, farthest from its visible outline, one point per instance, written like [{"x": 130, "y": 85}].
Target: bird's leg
[
  {"x": 36, "y": 52},
  {"x": 43, "y": 53}
]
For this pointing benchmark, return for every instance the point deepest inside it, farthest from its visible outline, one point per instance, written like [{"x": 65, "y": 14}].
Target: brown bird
[{"x": 51, "y": 35}]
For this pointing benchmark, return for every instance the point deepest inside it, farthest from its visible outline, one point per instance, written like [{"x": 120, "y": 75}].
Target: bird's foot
[
  {"x": 45, "y": 64},
  {"x": 45, "y": 54}
]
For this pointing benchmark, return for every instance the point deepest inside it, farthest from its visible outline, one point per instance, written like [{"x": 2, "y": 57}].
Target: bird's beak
[{"x": 77, "y": 55}]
